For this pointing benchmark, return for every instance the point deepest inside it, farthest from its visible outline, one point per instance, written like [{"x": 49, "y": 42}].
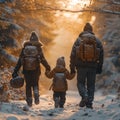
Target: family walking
[{"x": 86, "y": 60}]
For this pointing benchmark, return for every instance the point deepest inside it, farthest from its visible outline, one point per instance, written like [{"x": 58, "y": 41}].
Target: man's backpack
[
  {"x": 30, "y": 57},
  {"x": 87, "y": 51},
  {"x": 59, "y": 82}
]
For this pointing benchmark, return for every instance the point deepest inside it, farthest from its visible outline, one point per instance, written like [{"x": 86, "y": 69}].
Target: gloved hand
[
  {"x": 48, "y": 68},
  {"x": 72, "y": 71},
  {"x": 99, "y": 70},
  {"x": 14, "y": 74},
  {"x": 47, "y": 73}
]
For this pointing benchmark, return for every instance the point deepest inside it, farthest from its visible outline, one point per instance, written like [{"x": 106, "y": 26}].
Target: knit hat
[{"x": 61, "y": 61}]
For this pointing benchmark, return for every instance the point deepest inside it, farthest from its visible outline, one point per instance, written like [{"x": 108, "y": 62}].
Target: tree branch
[
  {"x": 109, "y": 1},
  {"x": 89, "y": 9},
  {"x": 98, "y": 10},
  {"x": 9, "y": 59},
  {"x": 116, "y": 3}
]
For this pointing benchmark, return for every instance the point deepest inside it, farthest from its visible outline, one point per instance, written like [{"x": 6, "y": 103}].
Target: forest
[{"x": 58, "y": 24}]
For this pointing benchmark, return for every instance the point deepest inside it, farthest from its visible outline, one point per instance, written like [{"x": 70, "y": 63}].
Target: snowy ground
[{"x": 105, "y": 108}]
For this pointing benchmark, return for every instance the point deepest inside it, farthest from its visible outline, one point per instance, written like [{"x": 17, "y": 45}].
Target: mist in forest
[
  {"x": 58, "y": 24},
  {"x": 56, "y": 29},
  {"x": 69, "y": 25}
]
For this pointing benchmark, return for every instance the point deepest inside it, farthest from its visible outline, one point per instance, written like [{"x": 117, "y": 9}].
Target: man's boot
[
  {"x": 36, "y": 99},
  {"x": 83, "y": 102},
  {"x": 36, "y": 96},
  {"x": 89, "y": 105},
  {"x": 29, "y": 102}
]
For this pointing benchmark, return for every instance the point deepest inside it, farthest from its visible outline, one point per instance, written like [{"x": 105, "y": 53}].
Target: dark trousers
[
  {"x": 32, "y": 84},
  {"x": 86, "y": 82},
  {"x": 61, "y": 96}
]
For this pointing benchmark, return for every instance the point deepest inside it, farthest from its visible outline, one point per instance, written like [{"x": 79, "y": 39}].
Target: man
[
  {"x": 30, "y": 58},
  {"x": 87, "y": 58}
]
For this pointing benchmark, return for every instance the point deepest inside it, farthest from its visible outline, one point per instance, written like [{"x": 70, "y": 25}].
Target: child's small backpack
[{"x": 59, "y": 82}]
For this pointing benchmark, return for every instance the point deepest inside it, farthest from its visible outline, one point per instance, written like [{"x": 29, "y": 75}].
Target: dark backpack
[
  {"x": 87, "y": 51},
  {"x": 59, "y": 82},
  {"x": 30, "y": 57}
]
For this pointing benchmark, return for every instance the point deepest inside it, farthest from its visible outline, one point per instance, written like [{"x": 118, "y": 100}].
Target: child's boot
[{"x": 56, "y": 102}]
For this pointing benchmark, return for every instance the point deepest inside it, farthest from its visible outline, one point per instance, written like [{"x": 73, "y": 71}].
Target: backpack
[
  {"x": 87, "y": 51},
  {"x": 59, "y": 82},
  {"x": 30, "y": 57}
]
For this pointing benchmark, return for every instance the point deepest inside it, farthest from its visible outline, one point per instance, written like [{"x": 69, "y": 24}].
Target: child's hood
[
  {"x": 60, "y": 65},
  {"x": 60, "y": 62}
]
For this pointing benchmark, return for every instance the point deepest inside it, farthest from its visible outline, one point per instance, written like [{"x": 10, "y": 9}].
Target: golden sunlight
[
  {"x": 74, "y": 2},
  {"x": 79, "y": 3},
  {"x": 74, "y": 5},
  {"x": 93, "y": 18}
]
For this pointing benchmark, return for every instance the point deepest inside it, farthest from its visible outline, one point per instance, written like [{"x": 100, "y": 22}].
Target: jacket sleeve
[
  {"x": 19, "y": 62},
  {"x": 101, "y": 56},
  {"x": 43, "y": 60},
  {"x": 73, "y": 55}
]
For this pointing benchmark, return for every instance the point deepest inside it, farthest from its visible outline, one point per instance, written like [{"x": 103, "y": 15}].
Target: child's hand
[
  {"x": 72, "y": 75},
  {"x": 47, "y": 73}
]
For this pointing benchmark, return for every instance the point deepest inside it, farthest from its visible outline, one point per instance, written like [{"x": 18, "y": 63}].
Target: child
[{"x": 59, "y": 85}]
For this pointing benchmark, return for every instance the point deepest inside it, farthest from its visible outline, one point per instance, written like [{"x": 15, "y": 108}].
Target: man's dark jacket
[{"x": 75, "y": 62}]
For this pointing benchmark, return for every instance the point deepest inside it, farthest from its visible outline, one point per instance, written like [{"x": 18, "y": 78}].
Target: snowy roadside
[{"x": 105, "y": 108}]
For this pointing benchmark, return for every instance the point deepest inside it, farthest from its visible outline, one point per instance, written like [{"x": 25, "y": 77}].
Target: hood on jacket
[
  {"x": 88, "y": 27},
  {"x": 35, "y": 43},
  {"x": 34, "y": 38}
]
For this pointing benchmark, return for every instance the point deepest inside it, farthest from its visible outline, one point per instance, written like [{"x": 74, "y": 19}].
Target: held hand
[
  {"x": 72, "y": 71},
  {"x": 72, "y": 76},
  {"x": 48, "y": 68},
  {"x": 14, "y": 74},
  {"x": 47, "y": 73}
]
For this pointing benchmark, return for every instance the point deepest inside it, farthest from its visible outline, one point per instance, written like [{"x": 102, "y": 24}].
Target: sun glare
[
  {"x": 73, "y": 5},
  {"x": 79, "y": 3},
  {"x": 93, "y": 18},
  {"x": 74, "y": 2}
]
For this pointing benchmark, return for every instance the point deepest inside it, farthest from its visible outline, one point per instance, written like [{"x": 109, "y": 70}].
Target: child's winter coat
[{"x": 60, "y": 75}]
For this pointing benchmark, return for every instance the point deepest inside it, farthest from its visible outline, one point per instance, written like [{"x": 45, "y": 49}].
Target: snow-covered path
[{"x": 105, "y": 108}]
